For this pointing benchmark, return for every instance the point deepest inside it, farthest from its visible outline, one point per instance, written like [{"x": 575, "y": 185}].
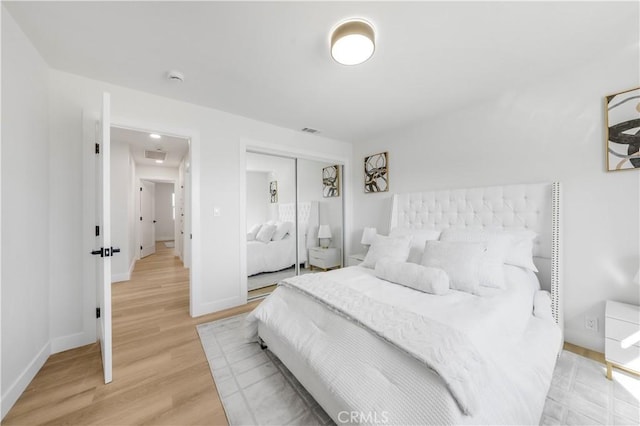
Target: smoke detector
[{"x": 175, "y": 76}]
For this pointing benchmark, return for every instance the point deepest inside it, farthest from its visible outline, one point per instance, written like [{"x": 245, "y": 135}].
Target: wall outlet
[{"x": 591, "y": 323}]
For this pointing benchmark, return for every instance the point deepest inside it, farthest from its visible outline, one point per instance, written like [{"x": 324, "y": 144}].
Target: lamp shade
[
  {"x": 352, "y": 42},
  {"x": 324, "y": 231},
  {"x": 368, "y": 235}
]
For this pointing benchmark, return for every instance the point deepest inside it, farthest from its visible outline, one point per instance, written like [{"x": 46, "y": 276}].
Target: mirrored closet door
[{"x": 294, "y": 219}]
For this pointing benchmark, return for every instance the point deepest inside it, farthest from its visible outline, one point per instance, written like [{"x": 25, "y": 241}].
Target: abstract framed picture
[
  {"x": 331, "y": 181},
  {"x": 376, "y": 173},
  {"x": 273, "y": 191},
  {"x": 623, "y": 130}
]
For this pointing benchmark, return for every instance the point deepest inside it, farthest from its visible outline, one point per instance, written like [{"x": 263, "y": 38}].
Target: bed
[
  {"x": 370, "y": 351},
  {"x": 278, "y": 255}
]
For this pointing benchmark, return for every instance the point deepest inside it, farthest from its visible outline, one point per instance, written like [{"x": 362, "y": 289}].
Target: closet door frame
[{"x": 260, "y": 147}]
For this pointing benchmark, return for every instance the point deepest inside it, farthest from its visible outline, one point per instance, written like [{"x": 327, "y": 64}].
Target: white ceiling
[
  {"x": 176, "y": 148},
  {"x": 270, "y": 61}
]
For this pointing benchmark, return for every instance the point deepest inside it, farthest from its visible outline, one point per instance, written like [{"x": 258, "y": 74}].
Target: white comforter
[{"x": 364, "y": 373}]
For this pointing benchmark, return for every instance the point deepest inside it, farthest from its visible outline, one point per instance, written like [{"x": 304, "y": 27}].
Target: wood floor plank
[{"x": 161, "y": 374}]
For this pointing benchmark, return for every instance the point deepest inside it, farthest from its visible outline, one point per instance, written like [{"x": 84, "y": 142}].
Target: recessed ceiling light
[
  {"x": 159, "y": 161},
  {"x": 155, "y": 136},
  {"x": 352, "y": 42}
]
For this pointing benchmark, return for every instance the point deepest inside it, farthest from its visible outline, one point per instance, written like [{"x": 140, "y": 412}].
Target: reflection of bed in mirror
[{"x": 278, "y": 255}]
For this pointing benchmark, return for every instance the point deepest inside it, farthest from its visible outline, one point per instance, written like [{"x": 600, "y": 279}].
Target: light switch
[{"x": 216, "y": 211}]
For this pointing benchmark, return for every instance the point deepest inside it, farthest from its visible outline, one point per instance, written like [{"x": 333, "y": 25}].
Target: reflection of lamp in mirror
[
  {"x": 324, "y": 234},
  {"x": 368, "y": 235}
]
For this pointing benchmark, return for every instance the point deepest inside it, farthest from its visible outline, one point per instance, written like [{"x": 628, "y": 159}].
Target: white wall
[
  {"x": 121, "y": 213},
  {"x": 553, "y": 131},
  {"x": 215, "y": 167},
  {"x": 164, "y": 212},
  {"x": 26, "y": 191},
  {"x": 258, "y": 198}
]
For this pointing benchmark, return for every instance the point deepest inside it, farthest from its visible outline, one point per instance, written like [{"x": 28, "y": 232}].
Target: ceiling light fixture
[
  {"x": 159, "y": 161},
  {"x": 155, "y": 136},
  {"x": 352, "y": 42}
]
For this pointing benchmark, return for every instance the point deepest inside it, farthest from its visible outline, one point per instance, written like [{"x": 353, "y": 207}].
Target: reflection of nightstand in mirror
[
  {"x": 324, "y": 258},
  {"x": 355, "y": 259}
]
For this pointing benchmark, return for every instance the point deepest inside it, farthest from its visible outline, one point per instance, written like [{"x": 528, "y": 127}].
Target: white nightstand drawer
[
  {"x": 616, "y": 329},
  {"x": 629, "y": 357},
  {"x": 324, "y": 258}
]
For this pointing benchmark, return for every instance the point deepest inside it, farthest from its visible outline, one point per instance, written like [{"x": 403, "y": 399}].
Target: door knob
[
  {"x": 97, "y": 252},
  {"x": 114, "y": 250}
]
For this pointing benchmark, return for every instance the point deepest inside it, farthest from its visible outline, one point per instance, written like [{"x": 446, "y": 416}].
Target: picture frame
[
  {"x": 622, "y": 119},
  {"x": 273, "y": 191},
  {"x": 376, "y": 173},
  {"x": 331, "y": 181}
]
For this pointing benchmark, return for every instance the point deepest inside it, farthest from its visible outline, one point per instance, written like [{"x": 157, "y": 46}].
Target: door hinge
[
  {"x": 140, "y": 247},
  {"x": 97, "y": 312},
  {"x": 97, "y": 231},
  {"x": 97, "y": 148},
  {"x": 140, "y": 189},
  {"x": 140, "y": 218}
]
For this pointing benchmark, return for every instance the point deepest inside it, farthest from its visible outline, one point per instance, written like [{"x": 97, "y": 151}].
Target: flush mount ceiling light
[{"x": 352, "y": 42}]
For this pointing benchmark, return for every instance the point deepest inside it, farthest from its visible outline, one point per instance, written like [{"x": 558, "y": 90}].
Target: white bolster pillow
[
  {"x": 542, "y": 305},
  {"x": 421, "y": 278}
]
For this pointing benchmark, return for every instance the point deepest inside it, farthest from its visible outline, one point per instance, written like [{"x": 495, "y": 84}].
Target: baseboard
[
  {"x": 219, "y": 305},
  {"x": 16, "y": 389},
  {"x": 585, "y": 340},
  {"x": 116, "y": 278},
  {"x": 70, "y": 341}
]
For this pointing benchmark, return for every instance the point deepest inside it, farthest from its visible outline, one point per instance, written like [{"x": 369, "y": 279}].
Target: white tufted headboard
[
  {"x": 308, "y": 219},
  {"x": 533, "y": 206}
]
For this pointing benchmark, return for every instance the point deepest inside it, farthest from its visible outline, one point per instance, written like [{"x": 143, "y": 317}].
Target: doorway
[{"x": 149, "y": 181}]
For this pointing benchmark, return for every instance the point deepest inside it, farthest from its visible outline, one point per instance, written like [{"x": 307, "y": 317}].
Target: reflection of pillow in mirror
[
  {"x": 265, "y": 233},
  {"x": 251, "y": 234},
  {"x": 419, "y": 239},
  {"x": 282, "y": 229}
]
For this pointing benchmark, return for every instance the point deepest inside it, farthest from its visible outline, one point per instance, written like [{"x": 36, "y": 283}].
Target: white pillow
[
  {"x": 251, "y": 235},
  {"x": 520, "y": 250},
  {"x": 491, "y": 271},
  {"x": 419, "y": 239},
  {"x": 460, "y": 260},
  {"x": 418, "y": 277},
  {"x": 265, "y": 233},
  {"x": 282, "y": 229},
  {"x": 382, "y": 247}
]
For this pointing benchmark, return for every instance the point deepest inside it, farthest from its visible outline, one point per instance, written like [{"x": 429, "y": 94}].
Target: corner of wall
[{"x": 16, "y": 389}]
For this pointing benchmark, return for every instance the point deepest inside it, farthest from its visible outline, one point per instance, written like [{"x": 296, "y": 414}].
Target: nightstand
[
  {"x": 622, "y": 337},
  {"x": 324, "y": 258},
  {"x": 356, "y": 259}
]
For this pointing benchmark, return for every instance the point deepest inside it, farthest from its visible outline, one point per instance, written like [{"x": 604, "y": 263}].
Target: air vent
[
  {"x": 310, "y": 130},
  {"x": 155, "y": 155}
]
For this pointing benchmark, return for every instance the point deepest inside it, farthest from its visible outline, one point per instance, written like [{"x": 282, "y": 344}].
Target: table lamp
[
  {"x": 324, "y": 234},
  {"x": 368, "y": 235}
]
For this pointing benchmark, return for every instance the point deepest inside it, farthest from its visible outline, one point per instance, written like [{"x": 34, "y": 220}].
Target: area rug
[{"x": 256, "y": 388}]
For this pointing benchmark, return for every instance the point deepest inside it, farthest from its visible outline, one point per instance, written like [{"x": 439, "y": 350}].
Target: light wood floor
[{"x": 160, "y": 372}]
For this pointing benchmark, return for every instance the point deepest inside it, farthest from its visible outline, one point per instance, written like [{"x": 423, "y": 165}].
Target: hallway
[{"x": 160, "y": 372}]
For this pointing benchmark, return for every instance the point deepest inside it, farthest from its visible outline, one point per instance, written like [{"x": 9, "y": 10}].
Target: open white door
[
  {"x": 104, "y": 251},
  {"x": 147, "y": 218}
]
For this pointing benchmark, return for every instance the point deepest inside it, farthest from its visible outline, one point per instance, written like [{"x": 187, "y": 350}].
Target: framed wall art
[
  {"x": 376, "y": 173},
  {"x": 623, "y": 130},
  {"x": 331, "y": 181},
  {"x": 273, "y": 190}
]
